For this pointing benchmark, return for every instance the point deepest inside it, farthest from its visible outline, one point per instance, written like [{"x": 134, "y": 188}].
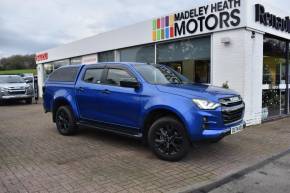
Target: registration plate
[{"x": 237, "y": 129}]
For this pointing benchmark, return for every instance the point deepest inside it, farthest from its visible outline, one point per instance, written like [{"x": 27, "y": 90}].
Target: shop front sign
[{"x": 211, "y": 17}]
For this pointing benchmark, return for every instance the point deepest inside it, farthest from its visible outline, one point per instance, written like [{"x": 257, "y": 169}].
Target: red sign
[{"x": 41, "y": 57}]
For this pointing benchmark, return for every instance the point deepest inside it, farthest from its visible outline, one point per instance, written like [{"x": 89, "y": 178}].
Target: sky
[{"x": 30, "y": 26}]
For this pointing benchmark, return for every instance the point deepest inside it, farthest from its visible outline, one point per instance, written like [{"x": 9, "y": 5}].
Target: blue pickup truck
[{"x": 147, "y": 101}]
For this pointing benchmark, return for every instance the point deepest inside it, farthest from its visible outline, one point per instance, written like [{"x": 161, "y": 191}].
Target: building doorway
[{"x": 274, "y": 78}]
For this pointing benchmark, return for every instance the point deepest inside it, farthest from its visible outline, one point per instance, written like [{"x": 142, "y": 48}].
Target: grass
[{"x": 20, "y": 71}]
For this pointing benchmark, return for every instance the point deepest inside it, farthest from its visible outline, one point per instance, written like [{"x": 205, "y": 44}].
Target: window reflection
[
  {"x": 106, "y": 56},
  {"x": 143, "y": 54},
  {"x": 48, "y": 69},
  {"x": 190, "y": 57}
]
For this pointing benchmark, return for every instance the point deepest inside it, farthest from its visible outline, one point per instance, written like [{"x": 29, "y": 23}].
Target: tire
[
  {"x": 65, "y": 121},
  {"x": 28, "y": 101},
  {"x": 168, "y": 139}
]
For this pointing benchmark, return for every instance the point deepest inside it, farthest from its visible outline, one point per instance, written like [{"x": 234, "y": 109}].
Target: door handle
[
  {"x": 106, "y": 91},
  {"x": 81, "y": 89}
]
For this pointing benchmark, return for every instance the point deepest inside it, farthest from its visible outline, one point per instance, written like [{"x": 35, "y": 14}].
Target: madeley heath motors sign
[{"x": 212, "y": 17}]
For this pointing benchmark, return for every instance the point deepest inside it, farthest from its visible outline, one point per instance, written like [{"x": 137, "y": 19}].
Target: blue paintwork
[{"x": 129, "y": 107}]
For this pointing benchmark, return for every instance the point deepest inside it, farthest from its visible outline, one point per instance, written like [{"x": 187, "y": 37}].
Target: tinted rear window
[{"x": 67, "y": 74}]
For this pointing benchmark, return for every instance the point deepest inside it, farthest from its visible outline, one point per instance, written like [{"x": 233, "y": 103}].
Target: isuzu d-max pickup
[
  {"x": 148, "y": 101},
  {"x": 14, "y": 87}
]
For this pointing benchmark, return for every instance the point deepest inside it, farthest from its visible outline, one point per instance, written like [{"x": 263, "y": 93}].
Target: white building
[{"x": 244, "y": 43}]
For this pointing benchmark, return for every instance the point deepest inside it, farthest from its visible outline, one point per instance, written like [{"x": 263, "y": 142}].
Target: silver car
[{"x": 13, "y": 87}]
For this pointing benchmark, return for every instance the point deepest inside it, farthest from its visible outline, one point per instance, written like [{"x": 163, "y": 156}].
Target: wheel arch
[
  {"x": 157, "y": 113},
  {"x": 61, "y": 101}
]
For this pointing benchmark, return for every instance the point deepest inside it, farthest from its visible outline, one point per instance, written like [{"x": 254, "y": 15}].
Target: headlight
[
  {"x": 205, "y": 104},
  {"x": 3, "y": 89},
  {"x": 29, "y": 87}
]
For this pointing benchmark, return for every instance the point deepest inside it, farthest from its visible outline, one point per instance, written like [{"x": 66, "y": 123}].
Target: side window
[
  {"x": 65, "y": 74},
  {"x": 94, "y": 75},
  {"x": 116, "y": 75}
]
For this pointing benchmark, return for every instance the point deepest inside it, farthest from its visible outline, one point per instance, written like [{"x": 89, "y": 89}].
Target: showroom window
[
  {"x": 190, "y": 57},
  {"x": 143, "y": 54},
  {"x": 48, "y": 69},
  {"x": 274, "y": 78},
  {"x": 60, "y": 63},
  {"x": 106, "y": 56},
  {"x": 76, "y": 60}
]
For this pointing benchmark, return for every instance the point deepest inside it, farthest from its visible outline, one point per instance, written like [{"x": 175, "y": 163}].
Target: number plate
[{"x": 237, "y": 129}]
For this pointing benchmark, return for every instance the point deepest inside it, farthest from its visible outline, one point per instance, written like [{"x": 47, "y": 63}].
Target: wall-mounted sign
[
  {"x": 216, "y": 16},
  {"x": 271, "y": 20},
  {"x": 41, "y": 57}
]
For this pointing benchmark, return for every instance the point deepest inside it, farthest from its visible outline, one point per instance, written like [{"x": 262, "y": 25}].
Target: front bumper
[
  {"x": 209, "y": 134},
  {"x": 9, "y": 97},
  {"x": 208, "y": 124}
]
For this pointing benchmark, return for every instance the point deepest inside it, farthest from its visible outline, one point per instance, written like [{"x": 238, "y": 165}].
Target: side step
[{"x": 124, "y": 131}]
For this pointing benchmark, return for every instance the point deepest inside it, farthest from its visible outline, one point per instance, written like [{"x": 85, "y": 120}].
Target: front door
[{"x": 120, "y": 105}]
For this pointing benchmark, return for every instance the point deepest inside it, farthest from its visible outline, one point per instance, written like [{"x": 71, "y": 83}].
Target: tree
[{"x": 18, "y": 62}]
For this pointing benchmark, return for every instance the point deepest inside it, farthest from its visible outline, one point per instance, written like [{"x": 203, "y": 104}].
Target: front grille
[
  {"x": 16, "y": 92},
  {"x": 232, "y": 109}
]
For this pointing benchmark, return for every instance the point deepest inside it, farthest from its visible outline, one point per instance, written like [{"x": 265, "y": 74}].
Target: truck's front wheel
[
  {"x": 168, "y": 139},
  {"x": 65, "y": 121}
]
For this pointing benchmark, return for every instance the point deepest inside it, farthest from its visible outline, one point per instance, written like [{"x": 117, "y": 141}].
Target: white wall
[
  {"x": 241, "y": 64},
  {"x": 40, "y": 72}
]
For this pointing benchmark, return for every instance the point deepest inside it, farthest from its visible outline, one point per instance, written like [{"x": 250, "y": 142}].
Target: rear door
[{"x": 89, "y": 94}]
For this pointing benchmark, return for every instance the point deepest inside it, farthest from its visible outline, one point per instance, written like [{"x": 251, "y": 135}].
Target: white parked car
[{"x": 13, "y": 87}]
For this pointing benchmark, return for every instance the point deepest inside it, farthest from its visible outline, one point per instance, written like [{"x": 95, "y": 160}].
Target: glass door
[{"x": 274, "y": 78}]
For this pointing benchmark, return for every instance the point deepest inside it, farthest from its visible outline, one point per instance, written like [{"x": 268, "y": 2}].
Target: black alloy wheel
[
  {"x": 168, "y": 139},
  {"x": 65, "y": 121}
]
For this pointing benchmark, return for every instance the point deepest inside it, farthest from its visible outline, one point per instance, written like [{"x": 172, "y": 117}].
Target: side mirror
[{"x": 130, "y": 84}]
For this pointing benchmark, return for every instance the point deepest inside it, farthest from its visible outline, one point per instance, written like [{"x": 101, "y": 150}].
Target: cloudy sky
[{"x": 34, "y": 25}]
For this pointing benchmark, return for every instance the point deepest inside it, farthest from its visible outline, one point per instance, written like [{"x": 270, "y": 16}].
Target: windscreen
[
  {"x": 11, "y": 79},
  {"x": 160, "y": 74}
]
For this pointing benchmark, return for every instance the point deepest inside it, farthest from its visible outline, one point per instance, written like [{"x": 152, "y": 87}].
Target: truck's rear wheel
[
  {"x": 168, "y": 139},
  {"x": 65, "y": 121}
]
